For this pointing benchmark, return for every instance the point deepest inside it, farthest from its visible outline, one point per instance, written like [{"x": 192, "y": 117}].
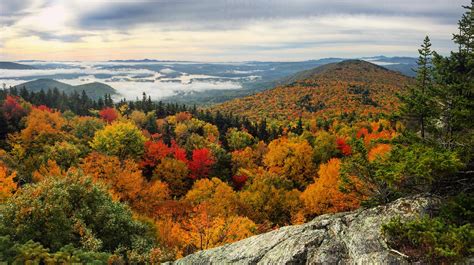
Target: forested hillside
[
  {"x": 94, "y": 90},
  {"x": 11, "y": 65},
  {"x": 142, "y": 182},
  {"x": 352, "y": 87}
]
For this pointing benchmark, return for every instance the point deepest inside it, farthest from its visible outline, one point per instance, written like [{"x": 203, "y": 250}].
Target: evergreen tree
[
  {"x": 419, "y": 100},
  {"x": 299, "y": 127},
  {"x": 455, "y": 85}
]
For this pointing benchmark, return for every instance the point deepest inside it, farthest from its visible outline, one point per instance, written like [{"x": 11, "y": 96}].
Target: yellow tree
[
  {"x": 7, "y": 185},
  {"x": 205, "y": 231},
  {"x": 125, "y": 181},
  {"x": 220, "y": 197},
  {"x": 211, "y": 132},
  {"x": 175, "y": 173},
  {"x": 379, "y": 151},
  {"x": 324, "y": 195},
  {"x": 50, "y": 169},
  {"x": 291, "y": 158},
  {"x": 122, "y": 139},
  {"x": 269, "y": 199},
  {"x": 42, "y": 130},
  {"x": 42, "y": 125}
]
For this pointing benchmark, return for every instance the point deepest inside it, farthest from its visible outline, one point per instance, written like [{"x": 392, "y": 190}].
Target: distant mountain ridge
[
  {"x": 333, "y": 89},
  {"x": 143, "y": 61},
  {"x": 279, "y": 73},
  {"x": 339, "y": 72},
  {"x": 15, "y": 66},
  {"x": 94, "y": 90}
]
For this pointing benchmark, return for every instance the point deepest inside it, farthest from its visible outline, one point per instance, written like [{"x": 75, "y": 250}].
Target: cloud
[
  {"x": 129, "y": 82},
  {"x": 10, "y": 11},
  {"x": 53, "y": 36},
  {"x": 229, "y": 14},
  {"x": 234, "y": 30}
]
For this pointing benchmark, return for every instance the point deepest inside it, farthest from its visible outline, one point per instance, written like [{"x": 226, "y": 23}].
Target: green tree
[
  {"x": 238, "y": 139},
  {"x": 324, "y": 146},
  {"x": 455, "y": 86},
  {"x": 122, "y": 139},
  {"x": 419, "y": 99},
  {"x": 72, "y": 210},
  {"x": 405, "y": 170}
]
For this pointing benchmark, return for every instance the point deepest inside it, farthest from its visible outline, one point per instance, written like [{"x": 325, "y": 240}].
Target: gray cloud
[
  {"x": 53, "y": 36},
  {"x": 211, "y": 14},
  {"x": 11, "y": 10},
  {"x": 205, "y": 28}
]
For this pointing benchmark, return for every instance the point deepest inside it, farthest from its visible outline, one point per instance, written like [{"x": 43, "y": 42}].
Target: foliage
[
  {"x": 343, "y": 147},
  {"x": 30, "y": 146},
  {"x": 7, "y": 185},
  {"x": 175, "y": 173},
  {"x": 108, "y": 114},
  {"x": 291, "y": 158},
  {"x": 323, "y": 196},
  {"x": 34, "y": 253},
  {"x": 207, "y": 177},
  {"x": 64, "y": 154},
  {"x": 419, "y": 100},
  {"x": 219, "y": 197},
  {"x": 454, "y": 87},
  {"x": 405, "y": 170},
  {"x": 201, "y": 163},
  {"x": 238, "y": 139},
  {"x": 122, "y": 139},
  {"x": 138, "y": 117},
  {"x": 203, "y": 231},
  {"x": 125, "y": 181},
  {"x": 71, "y": 210},
  {"x": 84, "y": 128},
  {"x": 324, "y": 147},
  {"x": 12, "y": 110},
  {"x": 446, "y": 238},
  {"x": 270, "y": 199},
  {"x": 337, "y": 89}
]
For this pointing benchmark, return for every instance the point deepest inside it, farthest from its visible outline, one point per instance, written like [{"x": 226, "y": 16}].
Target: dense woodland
[
  {"x": 145, "y": 182},
  {"x": 335, "y": 90}
]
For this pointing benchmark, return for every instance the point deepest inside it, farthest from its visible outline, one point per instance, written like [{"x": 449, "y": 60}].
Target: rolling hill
[
  {"x": 94, "y": 90},
  {"x": 270, "y": 75},
  {"x": 333, "y": 89},
  {"x": 15, "y": 66}
]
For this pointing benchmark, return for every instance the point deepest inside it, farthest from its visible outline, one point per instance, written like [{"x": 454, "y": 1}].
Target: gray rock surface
[{"x": 343, "y": 238}]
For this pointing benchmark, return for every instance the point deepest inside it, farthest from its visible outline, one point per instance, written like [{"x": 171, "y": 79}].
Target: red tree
[
  {"x": 343, "y": 146},
  {"x": 178, "y": 152},
  {"x": 201, "y": 163},
  {"x": 239, "y": 181},
  {"x": 44, "y": 108},
  {"x": 108, "y": 114},
  {"x": 362, "y": 132},
  {"x": 154, "y": 153},
  {"x": 12, "y": 109}
]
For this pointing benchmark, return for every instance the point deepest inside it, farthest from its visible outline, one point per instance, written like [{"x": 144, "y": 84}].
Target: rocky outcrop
[{"x": 343, "y": 238}]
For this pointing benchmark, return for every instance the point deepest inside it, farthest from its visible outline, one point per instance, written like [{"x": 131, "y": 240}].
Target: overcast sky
[{"x": 222, "y": 30}]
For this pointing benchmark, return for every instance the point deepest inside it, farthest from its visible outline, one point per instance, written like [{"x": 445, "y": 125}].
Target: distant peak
[
  {"x": 347, "y": 70},
  {"x": 359, "y": 62}
]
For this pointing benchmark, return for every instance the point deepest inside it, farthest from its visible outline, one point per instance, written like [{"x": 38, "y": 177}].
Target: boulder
[{"x": 341, "y": 238}]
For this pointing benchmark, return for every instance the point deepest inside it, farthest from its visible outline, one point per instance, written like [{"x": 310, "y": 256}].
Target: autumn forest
[{"x": 144, "y": 182}]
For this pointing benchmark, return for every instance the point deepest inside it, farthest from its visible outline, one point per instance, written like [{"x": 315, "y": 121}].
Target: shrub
[
  {"x": 71, "y": 210},
  {"x": 446, "y": 238}
]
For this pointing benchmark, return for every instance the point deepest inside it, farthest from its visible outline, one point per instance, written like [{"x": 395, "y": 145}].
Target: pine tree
[
  {"x": 299, "y": 127},
  {"x": 455, "y": 85},
  {"x": 419, "y": 100}
]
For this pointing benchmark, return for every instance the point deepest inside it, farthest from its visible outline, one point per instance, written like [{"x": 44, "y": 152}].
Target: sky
[{"x": 222, "y": 30}]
